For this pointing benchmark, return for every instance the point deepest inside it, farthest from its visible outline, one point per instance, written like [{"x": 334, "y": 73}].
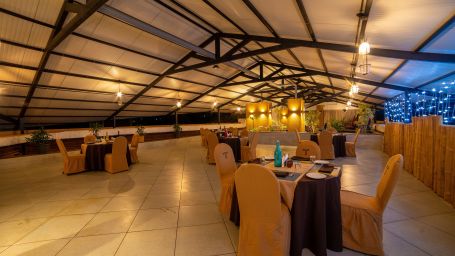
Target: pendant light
[
  {"x": 349, "y": 103},
  {"x": 364, "y": 50},
  {"x": 179, "y": 101},
  {"x": 119, "y": 96}
]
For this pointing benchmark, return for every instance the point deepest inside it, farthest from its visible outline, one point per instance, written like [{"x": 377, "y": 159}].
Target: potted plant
[
  {"x": 337, "y": 125},
  {"x": 177, "y": 130},
  {"x": 365, "y": 114},
  {"x": 40, "y": 139},
  {"x": 140, "y": 131},
  {"x": 95, "y": 128},
  {"x": 312, "y": 120}
]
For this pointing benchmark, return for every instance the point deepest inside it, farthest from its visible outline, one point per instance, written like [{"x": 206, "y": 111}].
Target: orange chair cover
[
  {"x": 307, "y": 148},
  {"x": 332, "y": 130},
  {"x": 325, "y": 139},
  {"x": 225, "y": 166},
  {"x": 265, "y": 222},
  {"x": 71, "y": 163},
  {"x": 362, "y": 215},
  {"x": 203, "y": 137},
  {"x": 248, "y": 153},
  {"x": 89, "y": 138},
  {"x": 212, "y": 141},
  {"x": 133, "y": 148},
  {"x": 116, "y": 162},
  {"x": 297, "y": 135},
  {"x": 350, "y": 146}
]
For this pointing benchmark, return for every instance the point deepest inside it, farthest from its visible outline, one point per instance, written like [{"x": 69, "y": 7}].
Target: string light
[{"x": 435, "y": 102}]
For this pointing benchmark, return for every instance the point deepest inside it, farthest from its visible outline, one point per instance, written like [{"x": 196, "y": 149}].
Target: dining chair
[
  {"x": 350, "y": 146},
  {"x": 73, "y": 163},
  {"x": 265, "y": 222},
  {"x": 116, "y": 161},
  {"x": 133, "y": 148},
  {"x": 297, "y": 135},
  {"x": 212, "y": 141},
  {"x": 248, "y": 152},
  {"x": 89, "y": 138},
  {"x": 244, "y": 133},
  {"x": 362, "y": 214},
  {"x": 332, "y": 130},
  {"x": 307, "y": 148},
  {"x": 325, "y": 141},
  {"x": 225, "y": 166},
  {"x": 203, "y": 139}
]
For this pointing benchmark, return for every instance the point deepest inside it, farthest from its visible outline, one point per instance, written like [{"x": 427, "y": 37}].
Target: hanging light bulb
[
  {"x": 119, "y": 95},
  {"x": 238, "y": 109},
  {"x": 179, "y": 104},
  {"x": 214, "y": 104},
  {"x": 349, "y": 103},
  {"x": 364, "y": 48}
]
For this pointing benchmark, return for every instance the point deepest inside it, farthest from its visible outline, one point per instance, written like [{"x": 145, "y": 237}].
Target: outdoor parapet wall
[{"x": 80, "y": 133}]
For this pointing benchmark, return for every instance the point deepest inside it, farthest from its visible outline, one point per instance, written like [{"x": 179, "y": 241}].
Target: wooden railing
[{"x": 428, "y": 148}]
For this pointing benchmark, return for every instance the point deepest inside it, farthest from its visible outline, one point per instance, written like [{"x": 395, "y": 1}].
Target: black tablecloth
[
  {"x": 315, "y": 216},
  {"x": 338, "y": 144},
  {"x": 235, "y": 144},
  {"x": 94, "y": 155}
]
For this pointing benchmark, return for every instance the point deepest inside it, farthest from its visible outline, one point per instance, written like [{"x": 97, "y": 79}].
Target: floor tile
[
  {"x": 43, "y": 248},
  {"x": 82, "y": 206},
  {"x": 155, "y": 219},
  {"x": 161, "y": 201},
  {"x": 444, "y": 222},
  {"x": 203, "y": 240},
  {"x": 199, "y": 214},
  {"x": 109, "y": 222},
  {"x": 93, "y": 245},
  {"x": 43, "y": 209},
  {"x": 124, "y": 203},
  {"x": 160, "y": 242},
  {"x": 423, "y": 236},
  {"x": 58, "y": 227},
  {"x": 12, "y": 231},
  {"x": 199, "y": 197}
]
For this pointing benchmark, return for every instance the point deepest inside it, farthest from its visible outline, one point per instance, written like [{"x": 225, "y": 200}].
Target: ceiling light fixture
[
  {"x": 179, "y": 101},
  {"x": 119, "y": 95},
  {"x": 349, "y": 103},
  {"x": 364, "y": 50},
  {"x": 238, "y": 109}
]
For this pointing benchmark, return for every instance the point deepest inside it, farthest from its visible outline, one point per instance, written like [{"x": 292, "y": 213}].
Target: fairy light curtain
[{"x": 439, "y": 102}]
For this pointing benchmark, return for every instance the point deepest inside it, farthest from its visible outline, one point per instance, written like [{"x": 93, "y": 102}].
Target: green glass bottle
[{"x": 278, "y": 155}]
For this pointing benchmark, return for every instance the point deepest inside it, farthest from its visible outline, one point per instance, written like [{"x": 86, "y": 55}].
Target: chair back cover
[
  {"x": 119, "y": 148},
  {"x": 356, "y": 136},
  {"x": 135, "y": 140},
  {"x": 89, "y": 138},
  {"x": 225, "y": 166},
  {"x": 225, "y": 161},
  {"x": 297, "y": 135},
  {"x": 244, "y": 133},
  {"x": 62, "y": 148},
  {"x": 389, "y": 180},
  {"x": 258, "y": 193},
  {"x": 212, "y": 141},
  {"x": 325, "y": 139},
  {"x": 253, "y": 145},
  {"x": 307, "y": 148},
  {"x": 332, "y": 130}
]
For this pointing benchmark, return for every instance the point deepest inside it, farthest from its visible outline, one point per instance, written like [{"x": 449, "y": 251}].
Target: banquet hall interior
[{"x": 239, "y": 127}]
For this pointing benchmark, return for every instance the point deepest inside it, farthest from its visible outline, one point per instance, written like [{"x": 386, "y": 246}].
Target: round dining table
[
  {"x": 315, "y": 208},
  {"x": 95, "y": 152}
]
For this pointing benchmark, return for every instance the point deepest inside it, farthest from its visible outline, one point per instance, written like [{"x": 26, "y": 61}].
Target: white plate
[
  {"x": 269, "y": 158},
  {"x": 316, "y": 175},
  {"x": 321, "y": 162}
]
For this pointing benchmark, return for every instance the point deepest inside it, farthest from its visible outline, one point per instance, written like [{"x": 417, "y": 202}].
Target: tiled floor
[{"x": 166, "y": 205}]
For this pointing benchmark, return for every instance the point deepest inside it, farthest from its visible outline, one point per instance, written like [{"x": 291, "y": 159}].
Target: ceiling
[{"x": 64, "y": 62}]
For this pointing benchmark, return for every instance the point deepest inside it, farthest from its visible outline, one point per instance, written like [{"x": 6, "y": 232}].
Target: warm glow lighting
[
  {"x": 179, "y": 104},
  {"x": 119, "y": 94},
  {"x": 238, "y": 109},
  {"x": 215, "y": 103},
  {"x": 364, "y": 48},
  {"x": 354, "y": 89},
  {"x": 349, "y": 103}
]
